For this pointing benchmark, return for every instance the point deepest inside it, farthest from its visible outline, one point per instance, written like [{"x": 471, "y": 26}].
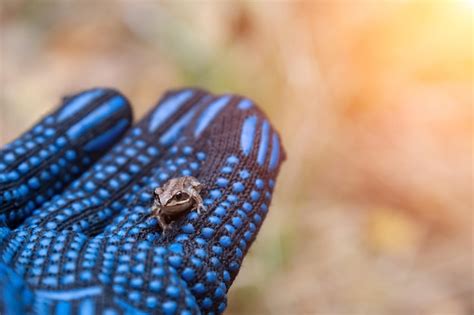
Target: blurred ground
[{"x": 374, "y": 100}]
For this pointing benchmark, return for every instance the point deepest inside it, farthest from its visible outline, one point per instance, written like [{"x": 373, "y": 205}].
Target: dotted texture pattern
[{"x": 76, "y": 229}]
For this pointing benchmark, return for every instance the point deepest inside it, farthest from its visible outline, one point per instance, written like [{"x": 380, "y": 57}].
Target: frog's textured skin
[
  {"x": 77, "y": 235},
  {"x": 177, "y": 197}
]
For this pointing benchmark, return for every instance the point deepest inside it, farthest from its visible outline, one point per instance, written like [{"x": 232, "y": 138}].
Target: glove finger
[
  {"x": 89, "y": 202},
  {"x": 41, "y": 162},
  {"x": 237, "y": 155}
]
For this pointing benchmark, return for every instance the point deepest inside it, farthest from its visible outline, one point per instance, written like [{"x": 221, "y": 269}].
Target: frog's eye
[{"x": 180, "y": 196}]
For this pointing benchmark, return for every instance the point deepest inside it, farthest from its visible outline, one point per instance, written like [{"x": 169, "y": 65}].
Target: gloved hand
[{"x": 76, "y": 230}]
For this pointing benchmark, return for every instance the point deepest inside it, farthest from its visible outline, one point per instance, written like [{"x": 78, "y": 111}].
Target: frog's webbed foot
[
  {"x": 198, "y": 202},
  {"x": 201, "y": 208},
  {"x": 162, "y": 223}
]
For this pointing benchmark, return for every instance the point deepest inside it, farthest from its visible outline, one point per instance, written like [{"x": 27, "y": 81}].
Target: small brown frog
[{"x": 176, "y": 197}]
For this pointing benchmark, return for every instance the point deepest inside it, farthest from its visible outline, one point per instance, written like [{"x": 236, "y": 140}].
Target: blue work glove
[{"x": 77, "y": 234}]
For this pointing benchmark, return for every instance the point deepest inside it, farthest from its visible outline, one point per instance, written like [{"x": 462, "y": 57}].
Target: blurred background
[{"x": 373, "y": 210}]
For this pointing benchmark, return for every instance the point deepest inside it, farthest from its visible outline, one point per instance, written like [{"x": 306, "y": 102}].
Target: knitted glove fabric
[
  {"x": 94, "y": 247},
  {"x": 41, "y": 162}
]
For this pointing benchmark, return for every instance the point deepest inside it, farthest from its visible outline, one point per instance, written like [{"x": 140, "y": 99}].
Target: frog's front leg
[
  {"x": 156, "y": 201},
  {"x": 161, "y": 222},
  {"x": 155, "y": 208},
  {"x": 198, "y": 200}
]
